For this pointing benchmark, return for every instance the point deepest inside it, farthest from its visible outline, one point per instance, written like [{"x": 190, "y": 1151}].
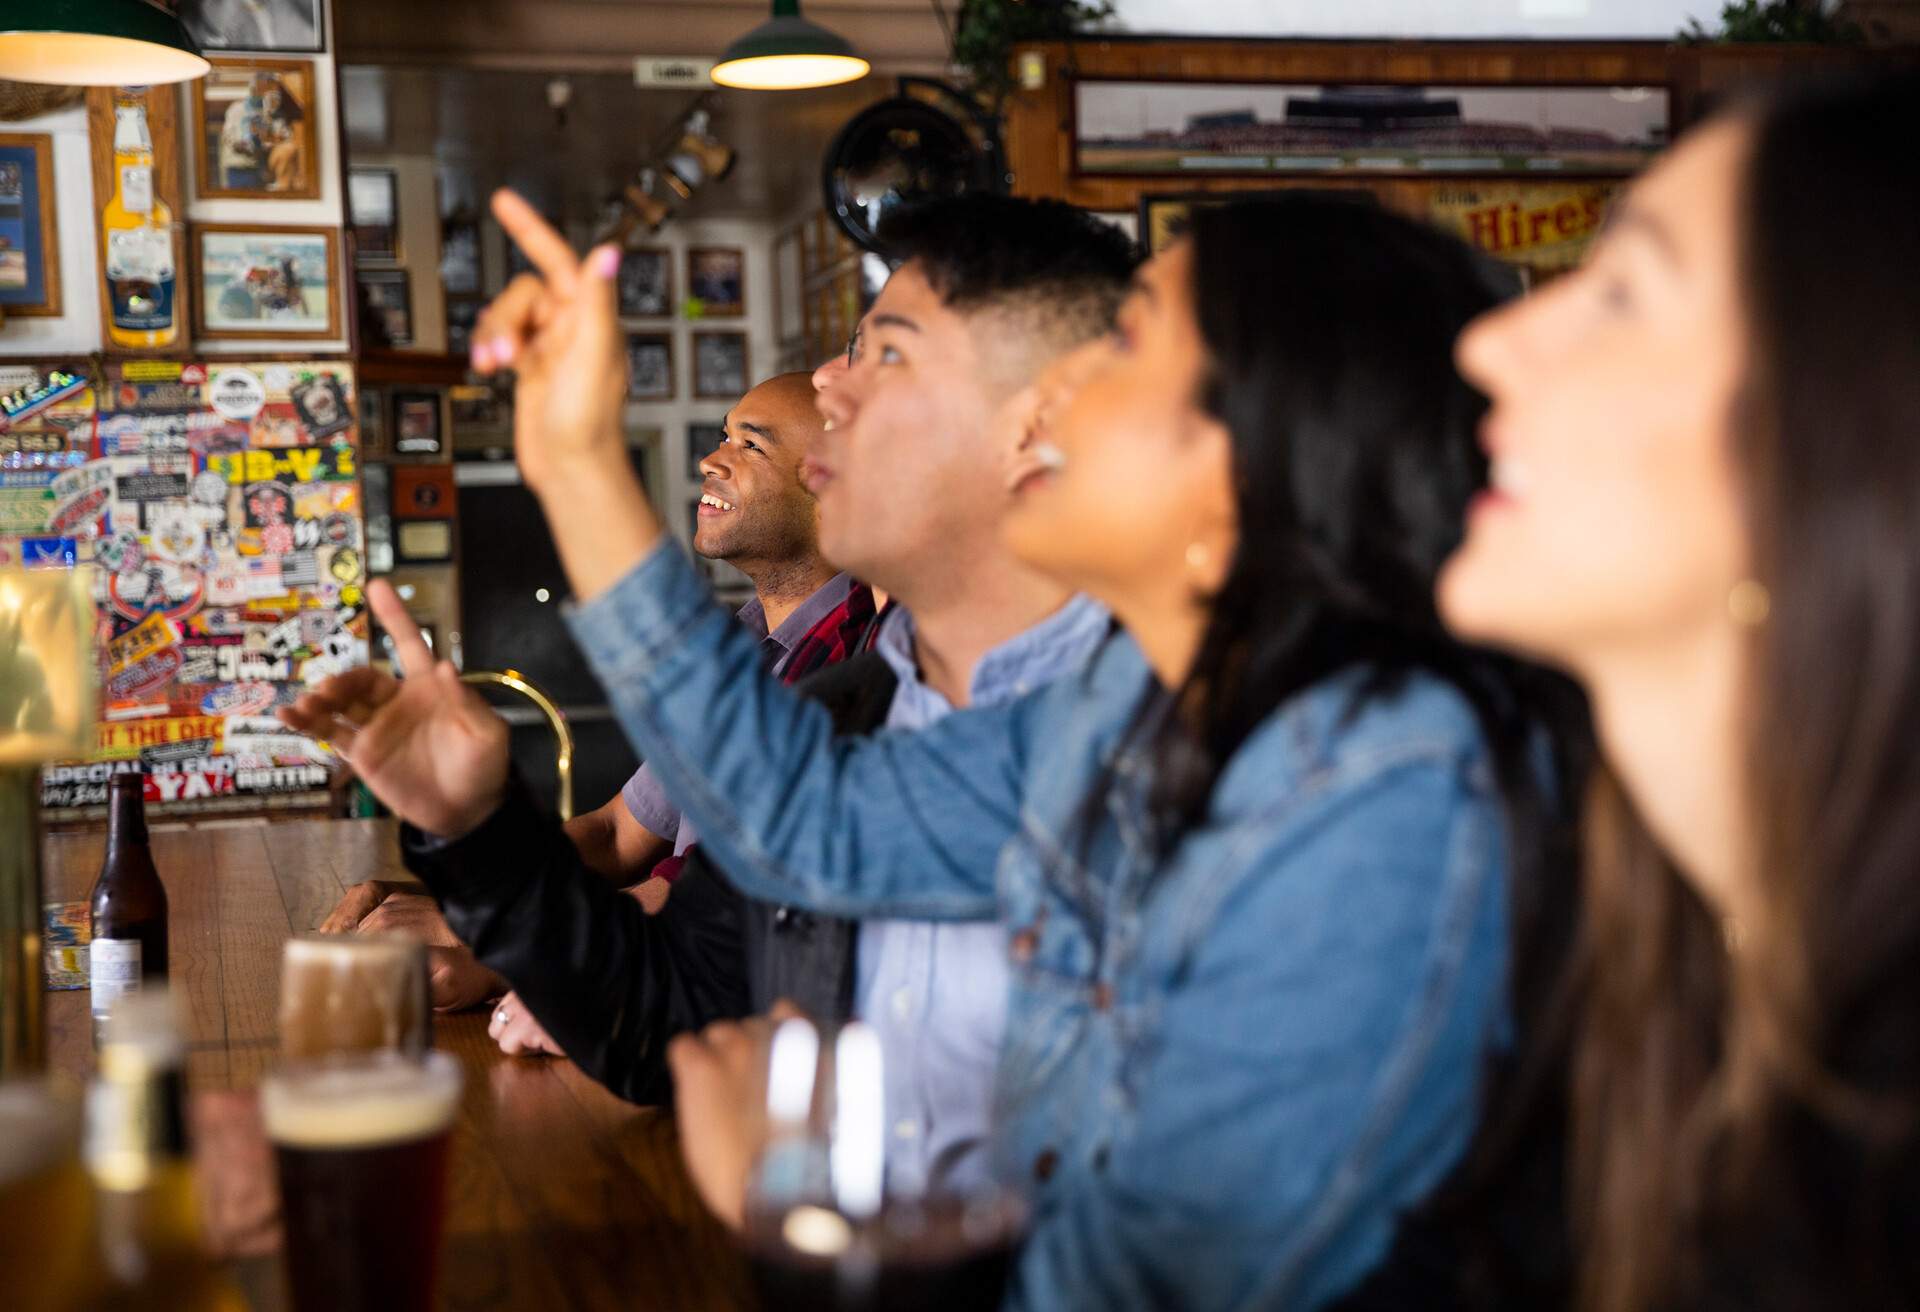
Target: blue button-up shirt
[
  {"x": 937, "y": 992},
  {"x": 1229, "y": 1068}
]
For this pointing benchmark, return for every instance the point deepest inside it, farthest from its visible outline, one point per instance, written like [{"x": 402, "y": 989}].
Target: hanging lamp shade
[
  {"x": 95, "y": 43},
  {"x": 786, "y": 53}
]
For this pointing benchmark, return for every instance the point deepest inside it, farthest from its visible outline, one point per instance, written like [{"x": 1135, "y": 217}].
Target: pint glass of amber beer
[
  {"x": 361, "y": 1145},
  {"x": 348, "y": 993},
  {"x": 46, "y": 1200}
]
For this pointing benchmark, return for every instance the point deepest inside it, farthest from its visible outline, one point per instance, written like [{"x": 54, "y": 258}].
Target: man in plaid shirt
[{"x": 756, "y": 515}]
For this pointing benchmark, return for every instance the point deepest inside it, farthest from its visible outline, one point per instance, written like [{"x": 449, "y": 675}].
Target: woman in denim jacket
[{"x": 1255, "y": 862}]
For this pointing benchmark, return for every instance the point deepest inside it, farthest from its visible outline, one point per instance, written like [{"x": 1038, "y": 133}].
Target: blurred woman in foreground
[{"x": 1706, "y": 504}]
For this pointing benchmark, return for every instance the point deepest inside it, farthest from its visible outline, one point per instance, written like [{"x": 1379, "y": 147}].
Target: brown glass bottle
[{"x": 129, "y": 948}]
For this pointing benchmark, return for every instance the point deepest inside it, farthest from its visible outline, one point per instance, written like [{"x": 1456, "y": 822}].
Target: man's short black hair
[{"x": 981, "y": 251}]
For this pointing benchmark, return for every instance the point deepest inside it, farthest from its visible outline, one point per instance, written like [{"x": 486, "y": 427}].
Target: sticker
[
  {"x": 284, "y": 639},
  {"x": 127, "y": 739},
  {"x": 298, "y": 465},
  {"x": 239, "y": 699},
  {"x": 145, "y": 676},
  {"x": 144, "y": 434},
  {"x": 158, "y": 587},
  {"x": 345, "y": 566},
  {"x": 278, "y": 426},
  {"x": 300, "y": 570},
  {"x": 279, "y": 377},
  {"x": 175, "y": 533},
  {"x": 277, "y": 539},
  {"x": 322, "y": 406},
  {"x": 119, "y": 551},
  {"x": 263, "y": 579},
  {"x": 152, "y": 485},
  {"x": 22, "y": 403},
  {"x": 197, "y": 664},
  {"x": 208, "y": 489},
  {"x": 227, "y": 586},
  {"x": 237, "y": 393},
  {"x": 154, "y": 633},
  {"x": 316, "y": 626},
  {"x": 81, "y": 496},
  {"x": 49, "y": 553},
  {"x": 267, "y": 503}
]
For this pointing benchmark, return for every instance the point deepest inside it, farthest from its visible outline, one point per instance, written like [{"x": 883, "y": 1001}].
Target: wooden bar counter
[{"x": 562, "y": 1196}]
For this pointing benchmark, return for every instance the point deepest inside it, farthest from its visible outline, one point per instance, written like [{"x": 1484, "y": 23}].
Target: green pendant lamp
[
  {"x": 787, "y": 53},
  {"x": 95, "y": 43}
]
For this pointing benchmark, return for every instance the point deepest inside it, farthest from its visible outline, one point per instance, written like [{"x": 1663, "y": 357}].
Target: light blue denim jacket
[{"x": 1224, "y": 1073}]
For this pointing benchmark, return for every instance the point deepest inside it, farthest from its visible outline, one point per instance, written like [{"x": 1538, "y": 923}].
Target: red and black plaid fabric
[
  {"x": 841, "y": 632},
  {"x": 844, "y": 631}
]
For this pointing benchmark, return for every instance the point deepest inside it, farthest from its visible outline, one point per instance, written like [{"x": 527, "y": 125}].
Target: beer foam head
[
  {"x": 364, "y": 1103},
  {"x": 350, "y": 949}
]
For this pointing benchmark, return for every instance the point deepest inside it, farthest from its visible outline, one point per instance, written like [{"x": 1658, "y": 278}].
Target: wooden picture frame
[
  {"x": 1324, "y": 129},
  {"x": 708, "y": 385},
  {"x": 717, "y": 278},
  {"x": 162, "y": 107},
  {"x": 376, "y": 238},
  {"x": 283, "y": 147},
  {"x": 28, "y": 157},
  {"x": 645, "y": 382},
  {"x": 213, "y": 320}
]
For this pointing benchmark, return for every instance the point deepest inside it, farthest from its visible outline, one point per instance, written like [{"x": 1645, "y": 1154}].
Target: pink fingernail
[
  {"x": 501, "y": 348},
  {"x": 482, "y": 357},
  {"x": 606, "y": 261}
]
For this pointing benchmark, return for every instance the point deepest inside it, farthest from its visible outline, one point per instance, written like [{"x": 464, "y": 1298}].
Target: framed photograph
[
  {"x": 719, "y": 366},
  {"x": 373, "y": 210},
  {"x": 386, "y": 307},
  {"x": 29, "y": 237},
  {"x": 460, "y": 255},
  {"x": 717, "y": 278},
  {"x": 649, "y": 367},
  {"x": 463, "y": 312},
  {"x": 646, "y": 283},
  {"x": 416, "y": 426},
  {"x": 262, "y": 281},
  {"x": 702, "y": 438},
  {"x": 274, "y": 25},
  {"x": 1215, "y": 128},
  {"x": 253, "y": 134}
]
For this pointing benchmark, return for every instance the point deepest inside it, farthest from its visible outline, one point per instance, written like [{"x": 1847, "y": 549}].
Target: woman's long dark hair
[
  {"x": 1745, "y": 1117},
  {"x": 1329, "y": 328}
]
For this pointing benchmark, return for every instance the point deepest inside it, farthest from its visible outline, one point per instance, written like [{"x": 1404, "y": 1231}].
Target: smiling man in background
[{"x": 755, "y": 514}]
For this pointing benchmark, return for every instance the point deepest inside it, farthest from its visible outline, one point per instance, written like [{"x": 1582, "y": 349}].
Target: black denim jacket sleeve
[{"x": 610, "y": 983}]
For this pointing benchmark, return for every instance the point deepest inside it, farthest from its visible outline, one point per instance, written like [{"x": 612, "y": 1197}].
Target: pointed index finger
[
  {"x": 415, "y": 657},
  {"x": 547, "y": 249}
]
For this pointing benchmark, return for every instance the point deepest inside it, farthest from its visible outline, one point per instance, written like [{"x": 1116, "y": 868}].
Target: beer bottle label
[
  {"x": 136, "y": 188},
  {"x": 113, "y": 965}
]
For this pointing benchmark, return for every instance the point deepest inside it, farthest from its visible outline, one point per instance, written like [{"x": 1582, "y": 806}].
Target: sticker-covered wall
[{"x": 220, "y": 504}]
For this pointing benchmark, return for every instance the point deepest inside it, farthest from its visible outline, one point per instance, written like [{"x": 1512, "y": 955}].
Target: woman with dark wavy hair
[{"x": 1706, "y": 504}]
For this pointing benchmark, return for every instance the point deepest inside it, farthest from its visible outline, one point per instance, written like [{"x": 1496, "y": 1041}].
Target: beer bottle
[
  {"x": 129, "y": 946},
  {"x": 152, "y": 1256},
  {"x": 138, "y": 228}
]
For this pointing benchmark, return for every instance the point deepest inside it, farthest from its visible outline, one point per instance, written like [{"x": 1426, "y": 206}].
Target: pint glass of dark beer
[{"x": 362, "y": 1147}]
